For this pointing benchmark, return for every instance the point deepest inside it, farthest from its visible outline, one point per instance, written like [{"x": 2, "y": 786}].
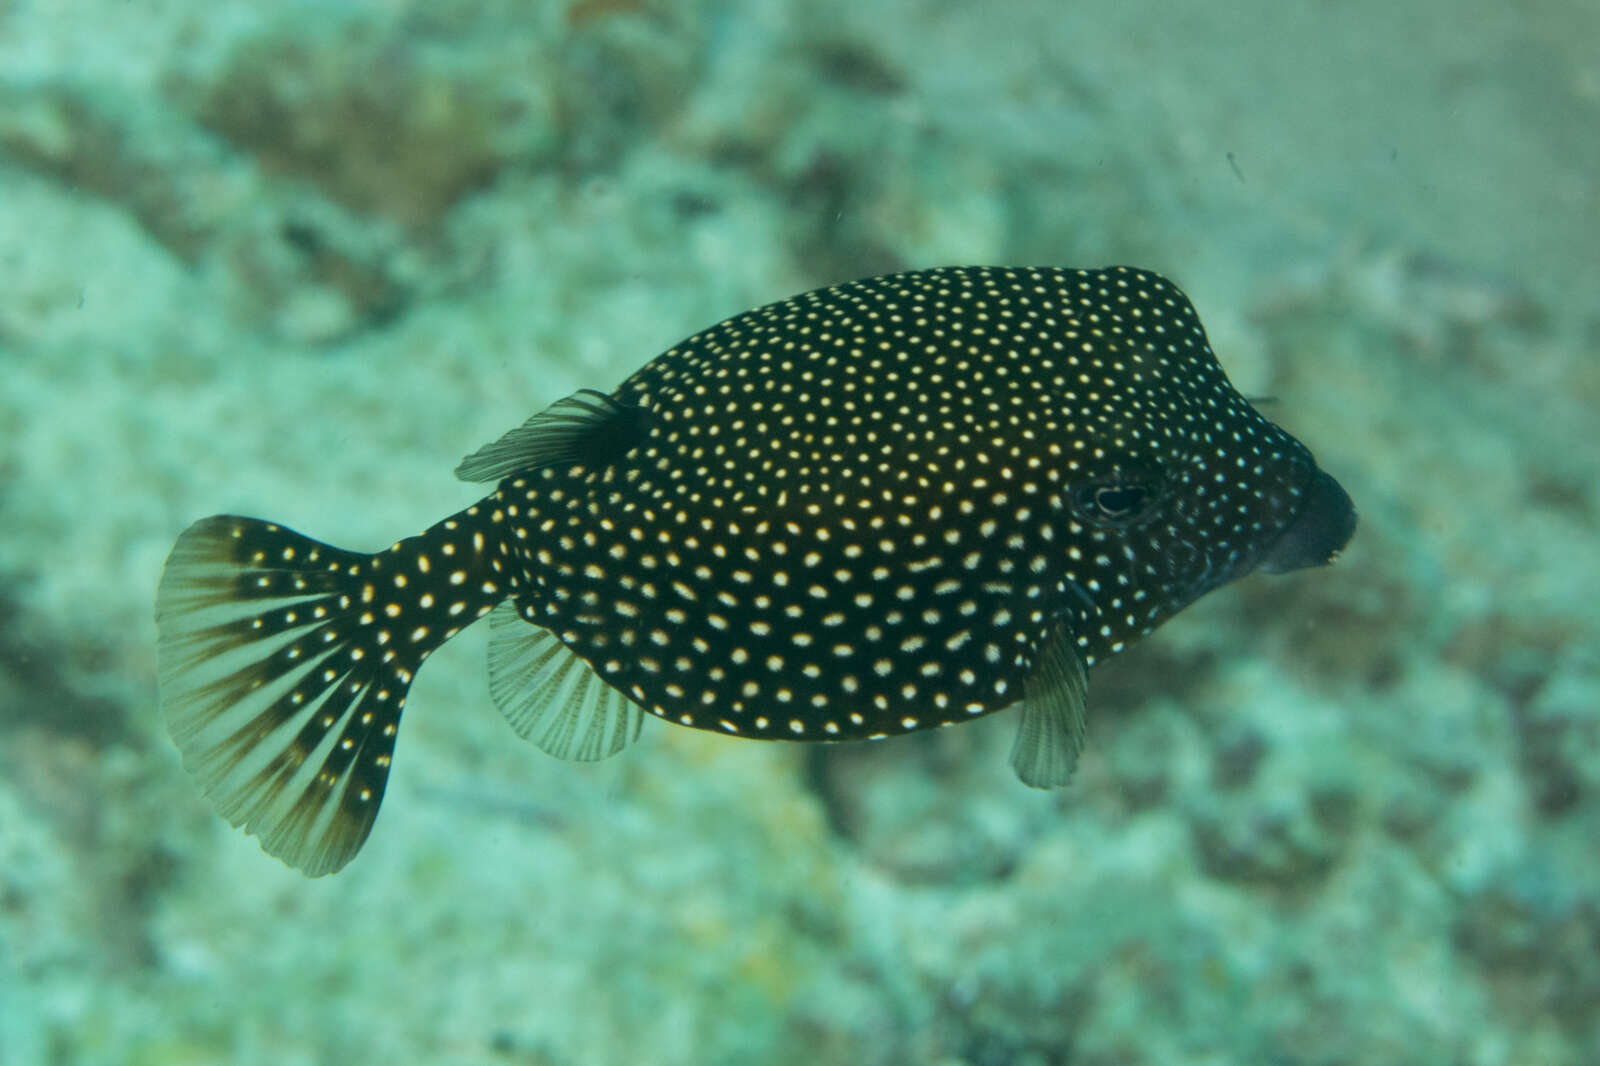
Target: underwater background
[{"x": 295, "y": 260}]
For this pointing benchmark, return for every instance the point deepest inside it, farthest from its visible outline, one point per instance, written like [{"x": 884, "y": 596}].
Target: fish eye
[
  {"x": 1119, "y": 501},
  {"x": 1115, "y": 502}
]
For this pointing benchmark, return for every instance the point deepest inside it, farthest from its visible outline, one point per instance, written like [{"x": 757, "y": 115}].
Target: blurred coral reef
[{"x": 295, "y": 260}]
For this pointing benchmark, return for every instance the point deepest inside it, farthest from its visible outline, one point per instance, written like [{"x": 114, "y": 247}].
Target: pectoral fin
[{"x": 1051, "y": 732}]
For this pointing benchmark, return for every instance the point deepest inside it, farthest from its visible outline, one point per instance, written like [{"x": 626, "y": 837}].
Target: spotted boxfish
[{"x": 889, "y": 505}]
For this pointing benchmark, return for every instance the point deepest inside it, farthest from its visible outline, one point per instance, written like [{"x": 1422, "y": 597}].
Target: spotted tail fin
[{"x": 284, "y": 665}]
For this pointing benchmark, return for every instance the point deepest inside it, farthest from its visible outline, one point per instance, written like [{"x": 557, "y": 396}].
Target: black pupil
[{"x": 1119, "y": 501}]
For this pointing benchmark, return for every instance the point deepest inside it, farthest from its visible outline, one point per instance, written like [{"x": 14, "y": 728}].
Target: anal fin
[{"x": 551, "y": 696}]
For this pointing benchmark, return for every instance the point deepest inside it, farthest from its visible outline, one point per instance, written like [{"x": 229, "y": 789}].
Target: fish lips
[{"x": 1318, "y": 533}]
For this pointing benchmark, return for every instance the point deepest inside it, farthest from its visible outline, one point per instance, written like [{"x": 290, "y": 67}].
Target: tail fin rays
[{"x": 279, "y": 685}]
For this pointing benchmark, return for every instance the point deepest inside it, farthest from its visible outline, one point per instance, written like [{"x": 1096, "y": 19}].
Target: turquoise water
[{"x": 295, "y": 261}]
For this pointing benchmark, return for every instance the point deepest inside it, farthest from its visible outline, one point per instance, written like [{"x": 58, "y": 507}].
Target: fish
[{"x": 889, "y": 505}]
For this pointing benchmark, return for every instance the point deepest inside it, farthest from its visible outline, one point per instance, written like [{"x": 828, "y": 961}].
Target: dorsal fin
[{"x": 587, "y": 426}]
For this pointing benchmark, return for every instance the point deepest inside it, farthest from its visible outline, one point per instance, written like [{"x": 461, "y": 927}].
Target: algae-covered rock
[
  {"x": 143, "y": 156},
  {"x": 384, "y": 122},
  {"x": 404, "y": 119}
]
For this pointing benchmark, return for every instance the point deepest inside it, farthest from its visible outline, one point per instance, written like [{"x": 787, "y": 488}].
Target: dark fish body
[{"x": 885, "y": 506}]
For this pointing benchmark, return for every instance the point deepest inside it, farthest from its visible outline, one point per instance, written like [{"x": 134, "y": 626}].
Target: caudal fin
[{"x": 284, "y": 665}]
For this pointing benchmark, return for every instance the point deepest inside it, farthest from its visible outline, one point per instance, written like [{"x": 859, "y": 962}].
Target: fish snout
[{"x": 1318, "y": 532}]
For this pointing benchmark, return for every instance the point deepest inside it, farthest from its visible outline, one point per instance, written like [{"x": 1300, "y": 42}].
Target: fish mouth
[
  {"x": 1318, "y": 533},
  {"x": 1314, "y": 536}
]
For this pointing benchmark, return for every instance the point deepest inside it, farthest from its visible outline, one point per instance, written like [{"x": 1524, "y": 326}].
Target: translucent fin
[
  {"x": 284, "y": 670},
  {"x": 583, "y": 427},
  {"x": 551, "y": 696},
  {"x": 1051, "y": 732}
]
